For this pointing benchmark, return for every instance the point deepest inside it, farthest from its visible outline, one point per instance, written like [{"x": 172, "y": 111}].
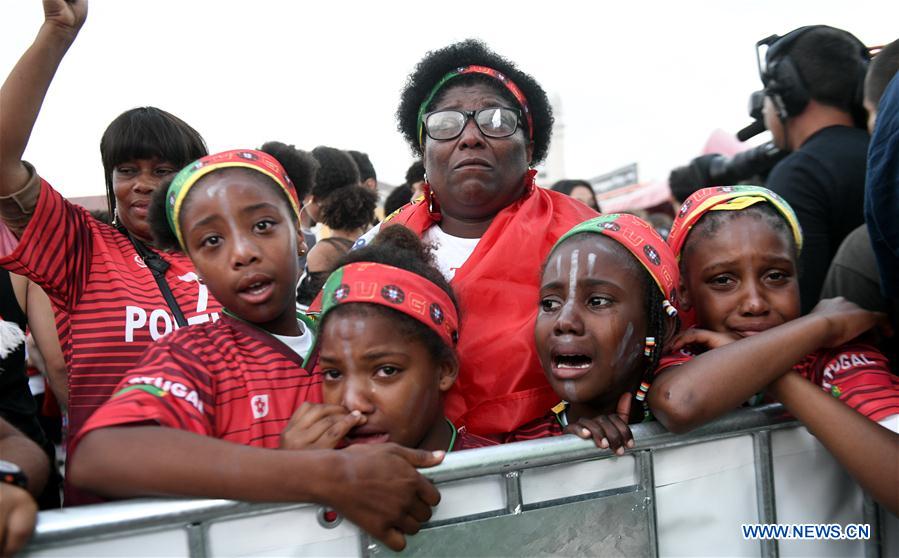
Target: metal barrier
[{"x": 671, "y": 495}]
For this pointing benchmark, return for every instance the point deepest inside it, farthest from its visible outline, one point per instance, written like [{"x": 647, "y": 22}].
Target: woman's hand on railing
[
  {"x": 319, "y": 426},
  {"x": 382, "y": 492},
  {"x": 608, "y": 431}
]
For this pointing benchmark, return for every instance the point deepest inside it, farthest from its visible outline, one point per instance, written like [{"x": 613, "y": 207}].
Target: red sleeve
[
  {"x": 859, "y": 375},
  {"x": 169, "y": 387},
  {"x": 674, "y": 359},
  {"x": 56, "y": 248}
]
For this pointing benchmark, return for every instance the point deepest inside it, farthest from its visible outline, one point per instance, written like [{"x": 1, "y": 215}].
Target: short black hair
[
  {"x": 398, "y": 197},
  {"x": 566, "y": 186},
  {"x": 399, "y": 247},
  {"x": 881, "y": 71},
  {"x": 708, "y": 225},
  {"x": 299, "y": 166},
  {"x": 831, "y": 65},
  {"x": 366, "y": 169},
  {"x": 145, "y": 133},
  {"x": 436, "y": 64},
  {"x": 415, "y": 173}
]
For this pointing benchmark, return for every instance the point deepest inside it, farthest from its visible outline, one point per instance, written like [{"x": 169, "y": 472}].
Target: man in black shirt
[{"x": 813, "y": 81}]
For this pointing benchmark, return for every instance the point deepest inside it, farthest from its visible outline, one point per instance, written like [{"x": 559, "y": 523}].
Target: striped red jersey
[
  {"x": 113, "y": 307},
  {"x": 227, "y": 380},
  {"x": 466, "y": 440},
  {"x": 856, "y": 373},
  {"x": 543, "y": 427}
]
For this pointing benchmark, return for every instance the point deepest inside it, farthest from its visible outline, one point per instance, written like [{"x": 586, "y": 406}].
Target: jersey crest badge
[{"x": 259, "y": 406}]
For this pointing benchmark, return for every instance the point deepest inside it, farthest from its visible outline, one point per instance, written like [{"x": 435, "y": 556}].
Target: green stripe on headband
[
  {"x": 421, "y": 109},
  {"x": 589, "y": 226}
]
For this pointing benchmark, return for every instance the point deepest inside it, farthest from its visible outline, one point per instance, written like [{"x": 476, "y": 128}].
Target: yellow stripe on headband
[{"x": 196, "y": 175}]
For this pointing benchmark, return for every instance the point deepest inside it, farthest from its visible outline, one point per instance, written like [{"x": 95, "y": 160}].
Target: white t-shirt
[
  {"x": 300, "y": 344},
  {"x": 450, "y": 252}
]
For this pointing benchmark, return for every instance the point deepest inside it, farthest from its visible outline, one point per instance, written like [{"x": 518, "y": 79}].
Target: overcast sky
[{"x": 642, "y": 82}]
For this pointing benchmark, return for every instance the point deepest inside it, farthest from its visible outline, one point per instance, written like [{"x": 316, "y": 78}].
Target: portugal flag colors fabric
[{"x": 501, "y": 384}]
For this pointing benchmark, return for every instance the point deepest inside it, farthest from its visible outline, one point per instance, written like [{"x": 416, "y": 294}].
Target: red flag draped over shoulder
[{"x": 501, "y": 384}]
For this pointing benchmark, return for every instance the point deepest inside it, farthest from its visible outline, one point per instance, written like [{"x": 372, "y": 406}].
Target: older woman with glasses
[{"x": 480, "y": 125}]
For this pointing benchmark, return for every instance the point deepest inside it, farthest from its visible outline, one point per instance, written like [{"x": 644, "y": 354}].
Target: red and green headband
[
  {"x": 239, "y": 158},
  {"x": 727, "y": 198},
  {"x": 475, "y": 69},
  {"x": 401, "y": 290},
  {"x": 641, "y": 240}
]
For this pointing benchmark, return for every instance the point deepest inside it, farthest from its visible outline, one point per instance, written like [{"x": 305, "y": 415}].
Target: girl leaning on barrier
[
  {"x": 738, "y": 248},
  {"x": 116, "y": 291}
]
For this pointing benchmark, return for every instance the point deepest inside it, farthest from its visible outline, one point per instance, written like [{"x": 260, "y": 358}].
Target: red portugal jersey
[
  {"x": 856, "y": 373},
  {"x": 113, "y": 308},
  {"x": 544, "y": 427},
  {"x": 228, "y": 380},
  {"x": 466, "y": 440}
]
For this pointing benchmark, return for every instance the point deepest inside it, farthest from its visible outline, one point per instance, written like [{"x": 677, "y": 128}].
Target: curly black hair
[
  {"x": 348, "y": 208},
  {"x": 366, "y": 169},
  {"x": 345, "y": 204},
  {"x": 438, "y": 63},
  {"x": 336, "y": 169},
  {"x": 398, "y": 197},
  {"x": 398, "y": 246},
  {"x": 299, "y": 166}
]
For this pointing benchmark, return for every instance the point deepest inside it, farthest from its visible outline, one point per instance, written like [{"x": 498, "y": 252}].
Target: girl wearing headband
[
  {"x": 108, "y": 300},
  {"x": 605, "y": 316},
  {"x": 389, "y": 327},
  {"x": 481, "y": 125},
  {"x": 738, "y": 248},
  {"x": 178, "y": 423}
]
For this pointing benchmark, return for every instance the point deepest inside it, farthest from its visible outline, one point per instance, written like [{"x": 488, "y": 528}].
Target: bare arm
[
  {"x": 42, "y": 323},
  {"x": 717, "y": 381},
  {"x": 866, "y": 449},
  {"x": 18, "y": 510},
  {"x": 23, "y": 92},
  {"x": 376, "y": 487},
  {"x": 17, "y": 448}
]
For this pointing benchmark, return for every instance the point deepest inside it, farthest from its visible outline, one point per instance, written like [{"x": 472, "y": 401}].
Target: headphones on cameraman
[{"x": 783, "y": 83}]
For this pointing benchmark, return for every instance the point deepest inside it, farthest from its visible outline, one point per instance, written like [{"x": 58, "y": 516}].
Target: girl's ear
[{"x": 449, "y": 371}]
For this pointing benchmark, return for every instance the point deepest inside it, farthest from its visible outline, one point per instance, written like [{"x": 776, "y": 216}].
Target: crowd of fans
[{"x": 256, "y": 314}]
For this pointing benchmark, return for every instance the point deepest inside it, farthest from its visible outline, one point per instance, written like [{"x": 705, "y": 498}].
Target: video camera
[{"x": 717, "y": 170}]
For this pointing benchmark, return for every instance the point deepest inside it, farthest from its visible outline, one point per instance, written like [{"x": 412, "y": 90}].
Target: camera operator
[{"x": 813, "y": 80}]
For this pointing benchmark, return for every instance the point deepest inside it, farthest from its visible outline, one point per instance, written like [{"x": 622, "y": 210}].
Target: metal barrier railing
[{"x": 89, "y": 524}]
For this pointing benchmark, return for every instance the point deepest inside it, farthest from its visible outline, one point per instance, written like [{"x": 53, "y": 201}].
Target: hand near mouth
[{"x": 319, "y": 426}]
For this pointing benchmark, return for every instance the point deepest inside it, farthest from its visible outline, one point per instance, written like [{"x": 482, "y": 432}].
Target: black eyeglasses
[{"x": 493, "y": 122}]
